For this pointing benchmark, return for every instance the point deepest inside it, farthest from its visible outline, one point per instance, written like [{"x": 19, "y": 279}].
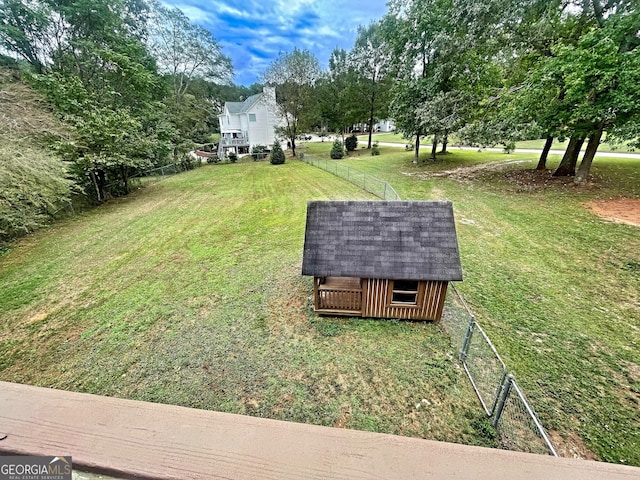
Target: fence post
[
  {"x": 502, "y": 400},
  {"x": 467, "y": 340}
]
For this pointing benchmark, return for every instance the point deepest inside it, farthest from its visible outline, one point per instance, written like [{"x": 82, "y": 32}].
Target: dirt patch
[
  {"x": 570, "y": 445},
  {"x": 620, "y": 210},
  {"x": 529, "y": 180},
  {"x": 467, "y": 172}
]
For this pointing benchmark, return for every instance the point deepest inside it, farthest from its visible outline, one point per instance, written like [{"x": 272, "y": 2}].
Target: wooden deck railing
[
  {"x": 151, "y": 441},
  {"x": 339, "y": 299}
]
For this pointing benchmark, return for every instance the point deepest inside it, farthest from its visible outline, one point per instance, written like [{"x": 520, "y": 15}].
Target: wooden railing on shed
[{"x": 330, "y": 299}]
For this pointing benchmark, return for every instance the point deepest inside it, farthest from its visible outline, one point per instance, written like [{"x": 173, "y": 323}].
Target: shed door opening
[{"x": 404, "y": 292}]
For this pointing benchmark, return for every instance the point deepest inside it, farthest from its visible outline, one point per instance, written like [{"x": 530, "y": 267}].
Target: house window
[
  {"x": 252, "y": 117},
  {"x": 404, "y": 292}
]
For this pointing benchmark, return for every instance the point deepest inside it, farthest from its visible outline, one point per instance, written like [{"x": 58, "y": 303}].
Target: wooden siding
[{"x": 377, "y": 301}]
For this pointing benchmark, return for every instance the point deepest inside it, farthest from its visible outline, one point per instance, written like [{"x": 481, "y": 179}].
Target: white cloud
[{"x": 254, "y": 32}]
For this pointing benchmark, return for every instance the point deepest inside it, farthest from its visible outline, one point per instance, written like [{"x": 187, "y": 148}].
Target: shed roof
[{"x": 410, "y": 240}]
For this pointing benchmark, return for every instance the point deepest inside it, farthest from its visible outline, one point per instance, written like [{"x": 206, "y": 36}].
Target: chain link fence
[
  {"x": 502, "y": 399},
  {"x": 367, "y": 182}
]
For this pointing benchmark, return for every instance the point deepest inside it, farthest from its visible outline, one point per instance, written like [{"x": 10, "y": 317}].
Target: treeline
[
  {"x": 131, "y": 85},
  {"x": 491, "y": 72}
]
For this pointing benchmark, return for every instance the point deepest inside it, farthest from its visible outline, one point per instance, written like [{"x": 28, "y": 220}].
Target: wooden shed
[{"x": 381, "y": 259}]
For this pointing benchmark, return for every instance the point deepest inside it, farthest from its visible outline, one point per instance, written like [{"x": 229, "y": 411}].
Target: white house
[
  {"x": 246, "y": 124},
  {"x": 387, "y": 125}
]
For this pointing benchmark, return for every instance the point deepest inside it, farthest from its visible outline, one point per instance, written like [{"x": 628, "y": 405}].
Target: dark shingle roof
[
  {"x": 373, "y": 239},
  {"x": 242, "y": 107}
]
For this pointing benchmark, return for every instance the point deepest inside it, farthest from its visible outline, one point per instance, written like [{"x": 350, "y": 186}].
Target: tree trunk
[
  {"x": 373, "y": 102},
  {"x": 445, "y": 141},
  {"x": 293, "y": 145},
  {"x": 94, "y": 180},
  {"x": 434, "y": 147},
  {"x": 416, "y": 152},
  {"x": 542, "y": 163},
  {"x": 590, "y": 152},
  {"x": 125, "y": 179},
  {"x": 567, "y": 167}
]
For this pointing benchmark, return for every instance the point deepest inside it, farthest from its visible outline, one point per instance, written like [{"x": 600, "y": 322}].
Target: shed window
[
  {"x": 252, "y": 117},
  {"x": 404, "y": 292}
]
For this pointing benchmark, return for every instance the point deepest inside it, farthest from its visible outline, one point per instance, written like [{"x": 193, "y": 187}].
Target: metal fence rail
[
  {"x": 518, "y": 424},
  {"x": 483, "y": 365},
  {"x": 502, "y": 399},
  {"x": 367, "y": 182}
]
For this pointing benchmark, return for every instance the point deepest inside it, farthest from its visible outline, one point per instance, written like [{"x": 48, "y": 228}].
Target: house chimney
[{"x": 270, "y": 93}]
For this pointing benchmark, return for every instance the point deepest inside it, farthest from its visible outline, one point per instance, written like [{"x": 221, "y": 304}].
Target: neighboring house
[
  {"x": 385, "y": 126},
  {"x": 381, "y": 259},
  {"x": 249, "y": 123}
]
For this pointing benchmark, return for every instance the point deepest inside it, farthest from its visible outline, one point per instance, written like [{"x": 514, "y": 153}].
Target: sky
[{"x": 254, "y": 32}]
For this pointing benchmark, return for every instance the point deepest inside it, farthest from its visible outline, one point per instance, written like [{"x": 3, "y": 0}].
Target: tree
[
  {"x": 104, "y": 84},
  {"x": 277, "y": 155},
  {"x": 33, "y": 178},
  {"x": 342, "y": 100},
  {"x": 337, "y": 150},
  {"x": 351, "y": 143},
  {"x": 294, "y": 75},
  {"x": 185, "y": 51},
  {"x": 579, "y": 65},
  {"x": 25, "y": 31},
  {"x": 371, "y": 58}
]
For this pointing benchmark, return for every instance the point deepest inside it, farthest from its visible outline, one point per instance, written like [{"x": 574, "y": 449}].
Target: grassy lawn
[
  {"x": 604, "y": 147},
  {"x": 189, "y": 292},
  {"x": 382, "y": 137},
  {"x": 528, "y": 144},
  {"x": 556, "y": 288}
]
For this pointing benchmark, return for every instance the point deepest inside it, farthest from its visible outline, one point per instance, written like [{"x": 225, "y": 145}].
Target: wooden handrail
[{"x": 131, "y": 439}]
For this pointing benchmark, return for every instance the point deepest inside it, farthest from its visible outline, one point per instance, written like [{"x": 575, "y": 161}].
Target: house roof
[
  {"x": 404, "y": 240},
  {"x": 242, "y": 107}
]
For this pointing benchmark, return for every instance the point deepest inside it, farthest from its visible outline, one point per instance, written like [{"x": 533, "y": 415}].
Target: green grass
[
  {"x": 556, "y": 287},
  {"x": 526, "y": 144},
  {"x": 604, "y": 147},
  {"x": 382, "y": 137},
  {"x": 189, "y": 292}
]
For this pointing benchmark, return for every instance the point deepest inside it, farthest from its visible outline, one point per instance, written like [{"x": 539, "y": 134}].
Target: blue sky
[{"x": 254, "y": 32}]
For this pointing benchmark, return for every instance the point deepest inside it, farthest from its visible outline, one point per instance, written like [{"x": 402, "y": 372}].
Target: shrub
[
  {"x": 301, "y": 156},
  {"x": 33, "y": 185},
  {"x": 351, "y": 143},
  {"x": 258, "y": 152},
  {"x": 374, "y": 149},
  {"x": 233, "y": 157},
  {"x": 337, "y": 151},
  {"x": 277, "y": 155},
  {"x": 509, "y": 147}
]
